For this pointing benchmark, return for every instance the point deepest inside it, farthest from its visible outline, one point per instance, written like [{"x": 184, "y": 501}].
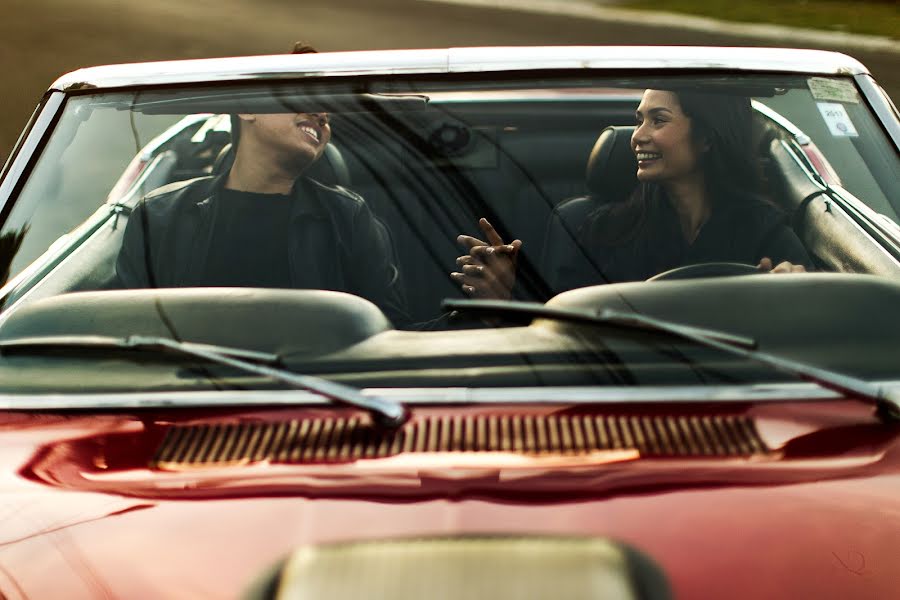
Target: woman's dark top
[{"x": 744, "y": 230}]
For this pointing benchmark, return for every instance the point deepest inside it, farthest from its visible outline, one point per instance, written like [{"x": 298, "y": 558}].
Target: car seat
[{"x": 610, "y": 176}]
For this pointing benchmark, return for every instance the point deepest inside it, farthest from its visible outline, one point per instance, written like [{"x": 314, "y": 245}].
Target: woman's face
[{"x": 662, "y": 142}]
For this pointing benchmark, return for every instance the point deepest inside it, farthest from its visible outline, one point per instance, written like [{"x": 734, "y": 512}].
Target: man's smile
[{"x": 310, "y": 131}]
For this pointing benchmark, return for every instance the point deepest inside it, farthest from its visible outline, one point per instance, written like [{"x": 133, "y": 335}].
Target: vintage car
[{"x": 187, "y": 412}]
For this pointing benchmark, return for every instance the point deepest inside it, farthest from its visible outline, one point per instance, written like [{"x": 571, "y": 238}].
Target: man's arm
[{"x": 375, "y": 271}]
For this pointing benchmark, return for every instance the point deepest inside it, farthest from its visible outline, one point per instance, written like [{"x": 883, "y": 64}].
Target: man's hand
[
  {"x": 765, "y": 265},
  {"x": 488, "y": 271}
]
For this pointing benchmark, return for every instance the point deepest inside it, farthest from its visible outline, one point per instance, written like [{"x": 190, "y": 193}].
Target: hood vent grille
[{"x": 330, "y": 440}]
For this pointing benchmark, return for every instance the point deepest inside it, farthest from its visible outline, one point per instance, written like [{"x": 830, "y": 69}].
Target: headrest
[
  {"x": 612, "y": 167},
  {"x": 224, "y": 160}
]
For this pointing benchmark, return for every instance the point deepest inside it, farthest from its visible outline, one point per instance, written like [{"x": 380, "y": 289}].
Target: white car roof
[{"x": 460, "y": 60}]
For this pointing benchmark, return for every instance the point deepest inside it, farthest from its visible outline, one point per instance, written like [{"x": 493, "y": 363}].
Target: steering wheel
[{"x": 712, "y": 269}]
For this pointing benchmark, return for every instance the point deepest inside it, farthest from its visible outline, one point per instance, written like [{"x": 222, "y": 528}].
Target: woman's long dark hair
[{"x": 730, "y": 166}]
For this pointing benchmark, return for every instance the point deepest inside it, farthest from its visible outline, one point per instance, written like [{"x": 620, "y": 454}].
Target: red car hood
[{"x": 82, "y": 515}]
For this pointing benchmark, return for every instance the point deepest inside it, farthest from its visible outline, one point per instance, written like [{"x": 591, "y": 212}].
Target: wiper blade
[
  {"x": 134, "y": 342},
  {"x": 385, "y": 412},
  {"x": 886, "y": 400},
  {"x": 526, "y": 311}
]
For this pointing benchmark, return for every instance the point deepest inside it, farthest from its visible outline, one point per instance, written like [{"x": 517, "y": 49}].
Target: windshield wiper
[
  {"x": 526, "y": 311},
  {"x": 886, "y": 400},
  {"x": 384, "y": 412}
]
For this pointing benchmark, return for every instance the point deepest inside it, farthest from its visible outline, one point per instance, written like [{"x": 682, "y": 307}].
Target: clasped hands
[{"x": 488, "y": 271}]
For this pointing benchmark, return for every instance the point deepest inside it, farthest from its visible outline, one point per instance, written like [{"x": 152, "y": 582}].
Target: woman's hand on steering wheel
[
  {"x": 488, "y": 271},
  {"x": 726, "y": 269},
  {"x": 765, "y": 266}
]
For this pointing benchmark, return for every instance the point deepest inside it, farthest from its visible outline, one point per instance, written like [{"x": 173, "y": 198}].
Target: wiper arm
[
  {"x": 385, "y": 412},
  {"x": 886, "y": 400}
]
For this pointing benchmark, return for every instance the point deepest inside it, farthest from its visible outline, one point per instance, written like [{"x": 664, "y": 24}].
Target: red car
[{"x": 578, "y": 322}]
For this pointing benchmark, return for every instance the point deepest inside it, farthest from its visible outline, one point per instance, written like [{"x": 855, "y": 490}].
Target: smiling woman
[{"x": 698, "y": 201}]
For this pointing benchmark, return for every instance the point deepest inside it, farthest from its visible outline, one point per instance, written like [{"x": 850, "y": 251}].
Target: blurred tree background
[
  {"x": 42, "y": 39},
  {"x": 873, "y": 17}
]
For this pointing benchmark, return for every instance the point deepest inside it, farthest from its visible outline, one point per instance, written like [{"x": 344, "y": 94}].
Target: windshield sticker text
[
  {"x": 832, "y": 90},
  {"x": 837, "y": 119}
]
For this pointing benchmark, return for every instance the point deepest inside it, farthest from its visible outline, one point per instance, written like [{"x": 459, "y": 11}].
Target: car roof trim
[{"x": 458, "y": 60}]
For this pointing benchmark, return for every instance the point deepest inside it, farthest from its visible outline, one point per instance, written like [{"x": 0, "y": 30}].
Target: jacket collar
[{"x": 305, "y": 194}]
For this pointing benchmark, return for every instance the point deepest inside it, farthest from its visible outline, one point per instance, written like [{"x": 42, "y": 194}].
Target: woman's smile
[{"x": 646, "y": 158}]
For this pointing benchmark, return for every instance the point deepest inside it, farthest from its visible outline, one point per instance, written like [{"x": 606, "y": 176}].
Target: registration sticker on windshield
[
  {"x": 832, "y": 90},
  {"x": 837, "y": 119}
]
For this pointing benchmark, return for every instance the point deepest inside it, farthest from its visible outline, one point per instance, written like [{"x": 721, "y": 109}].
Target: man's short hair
[{"x": 303, "y": 48}]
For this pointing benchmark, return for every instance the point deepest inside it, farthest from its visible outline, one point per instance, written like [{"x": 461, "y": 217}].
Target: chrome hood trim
[
  {"x": 759, "y": 393},
  {"x": 458, "y": 60},
  {"x": 500, "y": 567}
]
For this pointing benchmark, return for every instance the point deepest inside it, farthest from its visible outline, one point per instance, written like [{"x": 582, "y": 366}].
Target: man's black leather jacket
[{"x": 335, "y": 242}]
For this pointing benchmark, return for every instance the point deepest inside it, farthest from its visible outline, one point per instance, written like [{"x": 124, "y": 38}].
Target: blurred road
[{"x": 41, "y": 39}]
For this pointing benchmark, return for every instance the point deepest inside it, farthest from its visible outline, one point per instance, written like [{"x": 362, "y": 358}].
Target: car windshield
[{"x": 327, "y": 222}]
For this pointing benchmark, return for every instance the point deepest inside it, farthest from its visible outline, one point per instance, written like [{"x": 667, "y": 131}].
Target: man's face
[{"x": 297, "y": 139}]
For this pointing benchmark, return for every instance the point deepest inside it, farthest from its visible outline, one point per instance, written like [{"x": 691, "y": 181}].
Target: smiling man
[{"x": 263, "y": 223}]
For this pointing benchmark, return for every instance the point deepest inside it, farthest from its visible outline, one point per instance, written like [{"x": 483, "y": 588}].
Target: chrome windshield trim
[
  {"x": 758, "y": 393},
  {"x": 654, "y": 57},
  {"x": 12, "y": 293},
  {"x": 883, "y": 105},
  {"x": 29, "y": 147},
  {"x": 458, "y": 60},
  {"x": 871, "y": 223}
]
